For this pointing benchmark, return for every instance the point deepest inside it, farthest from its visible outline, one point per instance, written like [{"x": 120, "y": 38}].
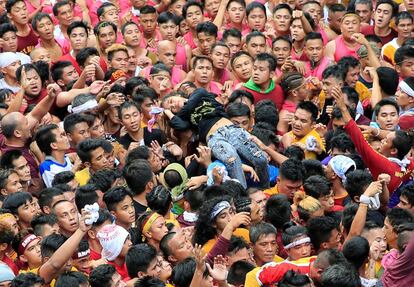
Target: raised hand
[{"x": 219, "y": 270}]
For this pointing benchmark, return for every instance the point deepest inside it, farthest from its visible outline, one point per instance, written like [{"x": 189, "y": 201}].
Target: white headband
[
  {"x": 89, "y": 105},
  {"x": 7, "y": 58},
  {"x": 404, "y": 87},
  {"x": 219, "y": 207},
  {"x": 298, "y": 242}
]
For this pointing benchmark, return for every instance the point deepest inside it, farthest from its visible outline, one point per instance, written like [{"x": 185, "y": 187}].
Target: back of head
[
  {"x": 294, "y": 279},
  {"x": 356, "y": 251},
  {"x": 341, "y": 275},
  {"x": 278, "y": 210},
  {"x": 238, "y": 271},
  {"x": 27, "y": 280},
  {"x": 101, "y": 276},
  {"x": 71, "y": 279},
  {"x": 139, "y": 258},
  {"x": 356, "y": 182},
  {"x": 149, "y": 281},
  {"x": 319, "y": 230}
]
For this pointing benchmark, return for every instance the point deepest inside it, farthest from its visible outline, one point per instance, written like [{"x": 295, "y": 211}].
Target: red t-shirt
[
  {"x": 28, "y": 43},
  {"x": 369, "y": 30},
  {"x": 122, "y": 270}
]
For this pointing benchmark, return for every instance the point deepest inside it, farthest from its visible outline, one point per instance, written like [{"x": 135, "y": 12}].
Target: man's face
[
  {"x": 10, "y": 41},
  {"x": 26, "y": 212},
  {"x": 282, "y": 19},
  {"x": 243, "y": 67},
  {"x": 19, "y": 13},
  {"x": 260, "y": 198},
  {"x": 99, "y": 160},
  {"x": 117, "y": 280},
  {"x": 288, "y": 187},
  {"x": 387, "y": 144},
  {"x": 389, "y": 232},
  {"x": 61, "y": 140},
  {"x": 132, "y": 35},
  {"x": 11, "y": 69},
  {"x": 69, "y": 74},
  {"x": 41, "y": 54},
  {"x": 265, "y": 248},
  {"x": 335, "y": 21},
  {"x": 241, "y": 121},
  {"x": 404, "y": 28},
  {"x": 352, "y": 76},
  {"x": 328, "y": 84},
  {"x": 67, "y": 217},
  {"x": 256, "y": 19},
  {"x": 234, "y": 44},
  {"x": 45, "y": 28},
  {"x": 406, "y": 68},
  {"x": 405, "y": 204},
  {"x": 194, "y": 16},
  {"x": 261, "y": 72},
  {"x": 22, "y": 168},
  {"x": 409, "y": 5},
  {"x": 314, "y": 49},
  {"x": 300, "y": 251},
  {"x": 32, "y": 253},
  {"x": 383, "y": 15},
  {"x": 78, "y": 38},
  {"x": 167, "y": 55},
  {"x": 242, "y": 254},
  {"x": 177, "y": 7},
  {"x": 236, "y": 12},
  {"x": 203, "y": 72},
  {"x": 168, "y": 30},
  {"x": 387, "y": 117},
  {"x": 212, "y": 7},
  {"x": 363, "y": 11},
  {"x": 281, "y": 50},
  {"x": 148, "y": 23},
  {"x": 314, "y": 10},
  {"x": 111, "y": 14},
  {"x": 377, "y": 235},
  {"x": 131, "y": 119},
  {"x": 107, "y": 37},
  {"x": 327, "y": 202},
  {"x": 302, "y": 123},
  {"x": 119, "y": 61},
  {"x": 350, "y": 25},
  {"x": 80, "y": 132},
  {"x": 334, "y": 241},
  {"x": 65, "y": 15},
  {"x": 296, "y": 30},
  {"x": 35, "y": 83},
  {"x": 125, "y": 212},
  {"x": 180, "y": 247},
  {"x": 13, "y": 183},
  {"x": 220, "y": 56},
  {"x": 205, "y": 42}
]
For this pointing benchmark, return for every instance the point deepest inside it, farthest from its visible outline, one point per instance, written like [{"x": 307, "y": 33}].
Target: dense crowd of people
[{"x": 206, "y": 143}]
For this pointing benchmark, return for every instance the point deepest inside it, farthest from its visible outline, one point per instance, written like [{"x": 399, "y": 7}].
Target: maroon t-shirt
[
  {"x": 369, "y": 30},
  {"x": 28, "y": 43}
]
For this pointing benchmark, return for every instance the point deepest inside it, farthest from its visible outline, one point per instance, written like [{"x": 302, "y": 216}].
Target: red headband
[
  {"x": 81, "y": 254},
  {"x": 118, "y": 74},
  {"x": 25, "y": 242}
]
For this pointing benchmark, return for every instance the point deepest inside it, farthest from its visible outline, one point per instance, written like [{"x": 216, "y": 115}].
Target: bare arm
[
  {"x": 218, "y": 21},
  {"x": 330, "y": 50},
  {"x": 43, "y": 107}
]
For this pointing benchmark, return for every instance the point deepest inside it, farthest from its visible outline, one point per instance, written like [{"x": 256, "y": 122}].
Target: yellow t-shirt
[
  {"x": 271, "y": 191},
  {"x": 388, "y": 51},
  {"x": 240, "y": 232},
  {"x": 82, "y": 176},
  {"x": 36, "y": 271},
  {"x": 308, "y": 154},
  {"x": 360, "y": 88}
]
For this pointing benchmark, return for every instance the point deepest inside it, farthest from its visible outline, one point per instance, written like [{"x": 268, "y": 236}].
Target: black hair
[
  {"x": 123, "y": 28},
  {"x": 133, "y": 83},
  {"x": 233, "y": 32},
  {"x": 71, "y": 120},
  {"x": 254, "y": 34},
  {"x": 149, "y": 281},
  {"x": 147, "y": 9},
  {"x": 104, "y": 178},
  {"x": 291, "y": 233},
  {"x": 319, "y": 230},
  {"x": 255, "y": 5},
  {"x": 77, "y": 24},
  {"x": 265, "y": 135},
  {"x": 357, "y": 181},
  {"x": 238, "y": 110},
  {"x": 102, "y": 24},
  {"x": 46, "y": 196},
  {"x": 7, "y": 158},
  {"x": 351, "y": 95},
  {"x": 27, "y": 67},
  {"x": 356, "y": 251},
  {"x": 44, "y": 137},
  {"x": 166, "y": 17},
  {"x": 207, "y": 28},
  {"x": 85, "y": 194},
  {"x": 159, "y": 200},
  {"x": 114, "y": 196},
  {"x": 101, "y": 276},
  {"x": 11, "y": 3},
  {"x": 58, "y": 5},
  {"x": 38, "y": 17},
  {"x": 292, "y": 81},
  {"x": 402, "y": 16},
  {"x": 28, "y": 279},
  {"x": 190, "y": 3},
  {"x": 14, "y": 200},
  {"x": 126, "y": 105},
  {"x": 394, "y": 7},
  {"x": 63, "y": 177},
  {"x": 295, "y": 153},
  {"x": 294, "y": 279},
  {"x": 57, "y": 69},
  {"x": 397, "y": 216},
  {"x": 313, "y": 167},
  {"x": 284, "y": 39},
  {"x": 138, "y": 258},
  {"x": 238, "y": 271},
  {"x": 51, "y": 243},
  {"x": 241, "y": 2},
  {"x": 402, "y": 54},
  {"x": 313, "y": 36},
  {"x": 101, "y": 9},
  {"x": 266, "y": 57},
  {"x": 292, "y": 170},
  {"x": 38, "y": 222},
  {"x": 341, "y": 275},
  {"x": 278, "y": 210},
  {"x": 333, "y": 71},
  {"x": 408, "y": 192},
  {"x": 342, "y": 142},
  {"x": 317, "y": 186},
  {"x": 137, "y": 175},
  {"x": 282, "y": 6},
  {"x": 86, "y": 147},
  {"x": 71, "y": 279},
  {"x": 143, "y": 93},
  {"x": 310, "y": 108},
  {"x": 182, "y": 273},
  {"x": 7, "y": 27},
  {"x": 84, "y": 53}
]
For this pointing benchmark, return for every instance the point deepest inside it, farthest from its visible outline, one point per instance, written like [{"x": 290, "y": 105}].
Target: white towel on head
[
  {"x": 8, "y": 58},
  {"x": 112, "y": 237}
]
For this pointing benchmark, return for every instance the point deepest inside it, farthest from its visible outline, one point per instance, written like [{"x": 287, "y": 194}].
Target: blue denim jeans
[{"x": 229, "y": 144}]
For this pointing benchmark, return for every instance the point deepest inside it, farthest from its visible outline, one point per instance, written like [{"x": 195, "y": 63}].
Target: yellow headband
[
  {"x": 6, "y": 215},
  {"x": 349, "y": 15},
  {"x": 149, "y": 223}
]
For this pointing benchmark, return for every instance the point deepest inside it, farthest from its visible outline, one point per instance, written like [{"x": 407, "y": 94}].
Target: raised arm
[{"x": 43, "y": 107}]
